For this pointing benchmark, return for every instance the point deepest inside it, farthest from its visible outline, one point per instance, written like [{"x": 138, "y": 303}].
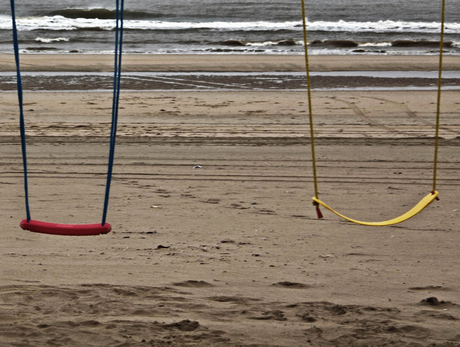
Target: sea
[{"x": 381, "y": 27}]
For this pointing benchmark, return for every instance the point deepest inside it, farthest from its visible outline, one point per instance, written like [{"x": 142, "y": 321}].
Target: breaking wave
[
  {"x": 102, "y": 13},
  {"x": 102, "y": 19}
]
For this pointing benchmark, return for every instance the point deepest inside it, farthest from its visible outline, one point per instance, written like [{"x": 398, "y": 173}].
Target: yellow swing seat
[
  {"x": 409, "y": 214},
  {"x": 427, "y": 200}
]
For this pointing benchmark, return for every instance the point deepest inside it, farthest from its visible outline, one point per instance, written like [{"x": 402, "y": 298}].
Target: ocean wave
[
  {"x": 63, "y": 23},
  {"x": 375, "y": 44},
  {"x": 396, "y": 43},
  {"x": 286, "y": 42},
  {"x": 421, "y": 43},
  {"x": 341, "y": 43},
  {"x": 384, "y": 26},
  {"x": 49, "y": 40},
  {"x": 40, "y": 49},
  {"x": 101, "y": 13}
]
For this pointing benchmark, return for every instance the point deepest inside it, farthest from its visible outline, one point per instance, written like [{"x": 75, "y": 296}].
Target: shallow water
[{"x": 202, "y": 81}]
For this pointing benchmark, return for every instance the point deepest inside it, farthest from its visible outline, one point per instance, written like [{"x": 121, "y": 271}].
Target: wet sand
[
  {"x": 226, "y": 62},
  {"x": 231, "y": 253}
]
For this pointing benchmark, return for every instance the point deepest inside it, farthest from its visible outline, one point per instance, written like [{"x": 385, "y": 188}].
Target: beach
[
  {"x": 226, "y": 62},
  {"x": 215, "y": 241}
]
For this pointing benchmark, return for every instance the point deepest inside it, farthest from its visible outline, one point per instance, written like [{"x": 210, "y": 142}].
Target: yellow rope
[
  {"x": 310, "y": 108},
  {"x": 438, "y": 107},
  {"x": 426, "y": 200}
]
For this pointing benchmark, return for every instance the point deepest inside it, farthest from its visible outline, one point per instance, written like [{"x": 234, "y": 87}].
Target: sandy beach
[
  {"x": 215, "y": 241},
  {"x": 229, "y": 62}
]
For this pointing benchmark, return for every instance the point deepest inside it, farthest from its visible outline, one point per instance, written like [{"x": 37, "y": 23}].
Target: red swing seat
[{"x": 65, "y": 229}]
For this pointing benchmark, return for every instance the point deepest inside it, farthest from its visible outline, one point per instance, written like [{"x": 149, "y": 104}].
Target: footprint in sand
[
  {"x": 293, "y": 285},
  {"x": 193, "y": 284}
]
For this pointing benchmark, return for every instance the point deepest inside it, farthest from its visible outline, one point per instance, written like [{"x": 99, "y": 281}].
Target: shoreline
[
  {"x": 210, "y": 82},
  {"x": 226, "y": 63},
  {"x": 41, "y": 72}
]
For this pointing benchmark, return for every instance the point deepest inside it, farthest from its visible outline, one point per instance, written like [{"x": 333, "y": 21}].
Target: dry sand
[{"x": 232, "y": 254}]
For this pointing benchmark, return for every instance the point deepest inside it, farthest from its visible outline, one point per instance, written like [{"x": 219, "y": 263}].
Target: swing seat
[
  {"x": 65, "y": 229},
  {"x": 409, "y": 214}
]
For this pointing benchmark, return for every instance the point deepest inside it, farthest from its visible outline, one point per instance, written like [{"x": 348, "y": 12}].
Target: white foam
[
  {"x": 387, "y": 26},
  {"x": 376, "y": 44},
  {"x": 384, "y": 26},
  {"x": 49, "y": 40}
]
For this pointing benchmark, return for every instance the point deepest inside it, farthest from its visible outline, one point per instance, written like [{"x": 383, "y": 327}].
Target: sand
[
  {"x": 215, "y": 63},
  {"x": 231, "y": 253}
]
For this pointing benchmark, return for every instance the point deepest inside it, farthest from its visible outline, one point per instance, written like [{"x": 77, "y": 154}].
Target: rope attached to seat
[
  {"x": 427, "y": 199},
  {"x": 310, "y": 110},
  {"x": 438, "y": 102},
  {"x": 22, "y": 127},
  {"x": 115, "y": 101},
  {"x": 422, "y": 204},
  {"x": 72, "y": 229}
]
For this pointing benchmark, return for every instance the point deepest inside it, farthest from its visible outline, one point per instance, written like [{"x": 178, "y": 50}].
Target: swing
[
  {"x": 72, "y": 229},
  {"x": 428, "y": 199}
]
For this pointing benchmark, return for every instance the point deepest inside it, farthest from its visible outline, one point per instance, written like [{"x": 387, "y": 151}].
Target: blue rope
[
  {"x": 115, "y": 103},
  {"x": 21, "y": 107},
  {"x": 116, "y": 99}
]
